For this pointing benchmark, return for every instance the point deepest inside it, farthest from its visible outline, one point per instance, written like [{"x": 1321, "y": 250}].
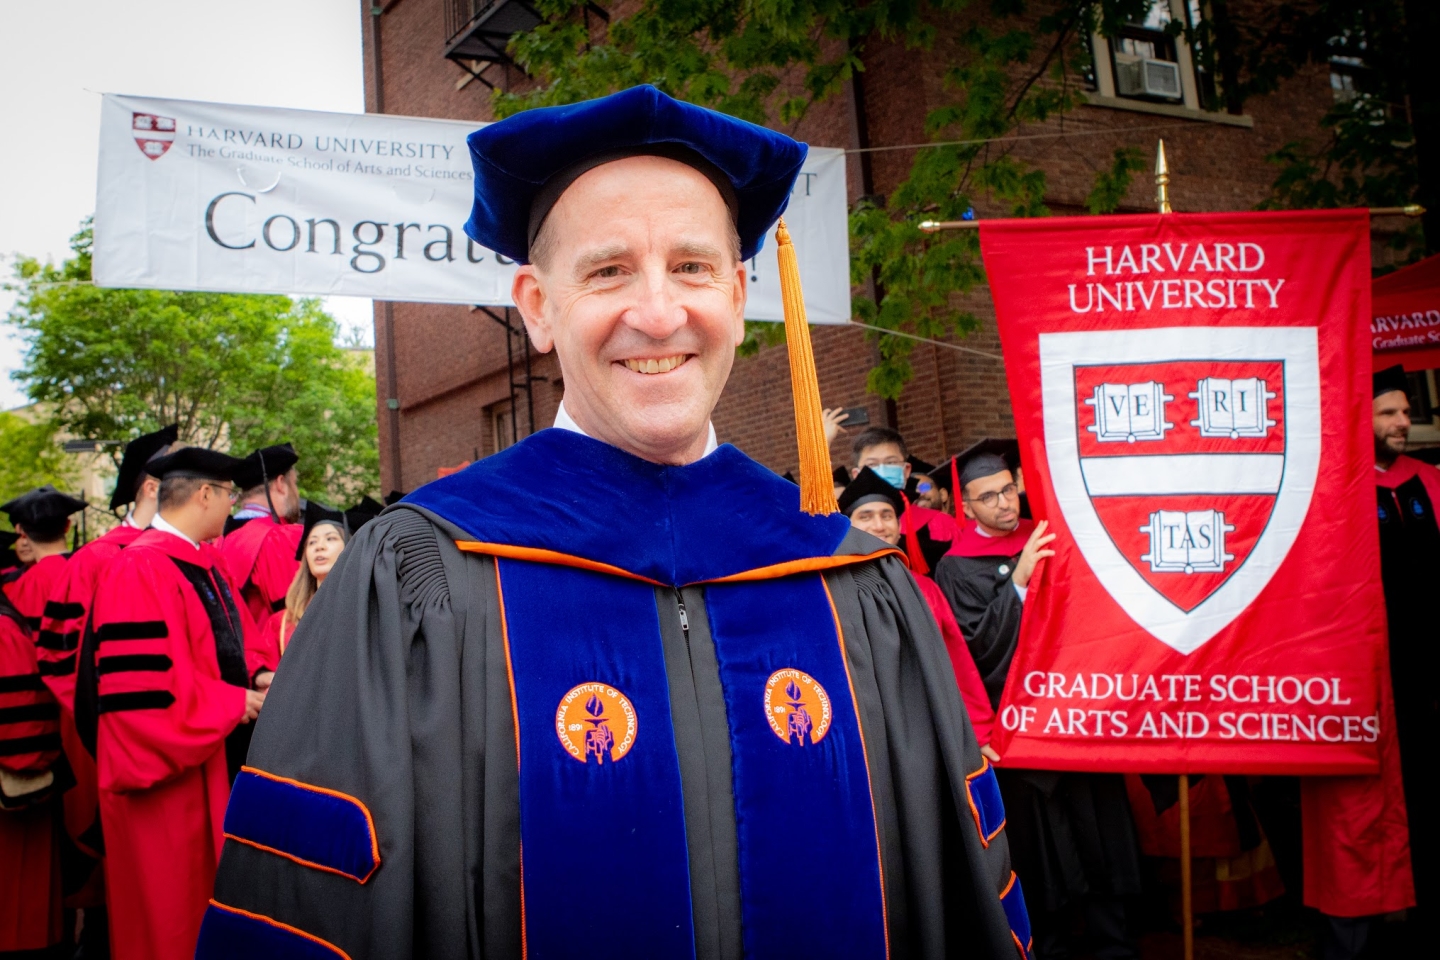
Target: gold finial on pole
[{"x": 1162, "y": 179}]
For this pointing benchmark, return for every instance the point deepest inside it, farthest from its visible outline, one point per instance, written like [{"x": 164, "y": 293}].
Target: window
[
  {"x": 1149, "y": 60},
  {"x": 502, "y": 425}
]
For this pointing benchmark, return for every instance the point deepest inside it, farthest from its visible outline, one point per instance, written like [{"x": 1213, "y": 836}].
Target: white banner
[{"x": 209, "y": 196}]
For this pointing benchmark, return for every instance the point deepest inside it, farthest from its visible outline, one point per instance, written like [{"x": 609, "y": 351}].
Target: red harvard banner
[{"x": 1191, "y": 394}]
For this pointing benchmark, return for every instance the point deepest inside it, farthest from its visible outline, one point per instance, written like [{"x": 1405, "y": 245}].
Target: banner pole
[{"x": 1187, "y": 903}]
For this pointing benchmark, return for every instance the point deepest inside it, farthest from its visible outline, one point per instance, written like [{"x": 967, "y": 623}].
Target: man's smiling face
[{"x": 639, "y": 289}]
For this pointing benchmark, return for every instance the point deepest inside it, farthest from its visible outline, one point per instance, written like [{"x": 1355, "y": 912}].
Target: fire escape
[{"x": 477, "y": 32}]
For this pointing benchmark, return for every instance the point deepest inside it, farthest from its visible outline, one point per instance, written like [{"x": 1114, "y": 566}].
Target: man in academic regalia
[
  {"x": 170, "y": 687},
  {"x": 42, "y": 517},
  {"x": 62, "y": 625},
  {"x": 1363, "y": 835},
  {"x": 30, "y": 760},
  {"x": 876, "y": 507},
  {"x": 1071, "y": 834},
  {"x": 611, "y": 692},
  {"x": 261, "y": 541}
]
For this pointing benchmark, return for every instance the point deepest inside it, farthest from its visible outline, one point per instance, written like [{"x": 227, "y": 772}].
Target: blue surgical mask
[{"x": 891, "y": 473}]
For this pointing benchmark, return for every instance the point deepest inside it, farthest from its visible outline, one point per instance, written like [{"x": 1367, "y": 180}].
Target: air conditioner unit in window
[{"x": 1149, "y": 78}]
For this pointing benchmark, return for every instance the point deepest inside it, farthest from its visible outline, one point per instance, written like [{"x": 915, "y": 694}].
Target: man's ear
[
  {"x": 529, "y": 296},
  {"x": 739, "y": 294}
]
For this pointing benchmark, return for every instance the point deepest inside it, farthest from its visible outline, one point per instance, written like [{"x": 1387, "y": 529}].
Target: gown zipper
[{"x": 684, "y": 619}]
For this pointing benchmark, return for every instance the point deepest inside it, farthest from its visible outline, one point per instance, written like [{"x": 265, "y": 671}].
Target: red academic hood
[{"x": 1405, "y": 317}]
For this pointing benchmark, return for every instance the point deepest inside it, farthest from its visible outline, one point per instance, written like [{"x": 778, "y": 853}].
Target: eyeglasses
[
  {"x": 992, "y": 497},
  {"x": 230, "y": 492}
]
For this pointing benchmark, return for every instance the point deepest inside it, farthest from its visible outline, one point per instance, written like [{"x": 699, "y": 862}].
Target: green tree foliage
[
  {"x": 1365, "y": 151},
  {"x": 30, "y": 457},
  {"x": 765, "y": 60},
  {"x": 235, "y": 371}
]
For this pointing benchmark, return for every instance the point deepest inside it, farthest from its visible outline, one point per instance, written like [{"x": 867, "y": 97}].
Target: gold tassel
[{"x": 817, "y": 486}]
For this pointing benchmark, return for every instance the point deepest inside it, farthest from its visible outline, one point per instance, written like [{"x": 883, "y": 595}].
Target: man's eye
[
  {"x": 606, "y": 273},
  {"x": 691, "y": 268}
]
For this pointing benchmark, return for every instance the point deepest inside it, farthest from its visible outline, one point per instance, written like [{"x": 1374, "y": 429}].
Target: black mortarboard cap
[
  {"x": 132, "y": 465},
  {"x": 1389, "y": 379},
  {"x": 43, "y": 503},
  {"x": 197, "y": 462},
  {"x": 841, "y": 476},
  {"x": 517, "y": 159},
  {"x": 266, "y": 464},
  {"x": 394, "y": 497},
  {"x": 868, "y": 487},
  {"x": 983, "y": 459},
  {"x": 347, "y": 520},
  {"x": 919, "y": 466},
  {"x": 787, "y": 475}
]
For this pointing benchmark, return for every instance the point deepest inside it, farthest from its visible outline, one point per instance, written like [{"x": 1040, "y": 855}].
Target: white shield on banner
[{"x": 1184, "y": 460}]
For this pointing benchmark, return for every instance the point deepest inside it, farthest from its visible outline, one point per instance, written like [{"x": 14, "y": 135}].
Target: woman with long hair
[{"x": 323, "y": 544}]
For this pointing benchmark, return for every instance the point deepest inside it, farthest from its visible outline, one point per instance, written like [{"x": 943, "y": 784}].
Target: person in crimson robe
[
  {"x": 876, "y": 507},
  {"x": 611, "y": 692},
  {"x": 262, "y": 539},
  {"x": 30, "y": 909},
  {"x": 11, "y": 565},
  {"x": 1370, "y": 843},
  {"x": 170, "y": 687},
  {"x": 63, "y": 622},
  {"x": 325, "y": 534},
  {"x": 884, "y": 451},
  {"x": 1072, "y": 835},
  {"x": 42, "y": 518}
]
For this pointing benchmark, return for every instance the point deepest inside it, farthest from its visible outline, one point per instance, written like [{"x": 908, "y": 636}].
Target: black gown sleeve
[
  {"x": 943, "y": 884},
  {"x": 391, "y": 692},
  {"x": 988, "y": 609}
]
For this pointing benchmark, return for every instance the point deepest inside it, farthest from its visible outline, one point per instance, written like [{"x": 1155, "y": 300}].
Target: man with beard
[
  {"x": 1071, "y": 834},
  {"x": 1359, "y": 847}
]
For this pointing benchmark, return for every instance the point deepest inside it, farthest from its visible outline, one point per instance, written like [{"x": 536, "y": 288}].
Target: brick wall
[{"x": 450, "y": 361}]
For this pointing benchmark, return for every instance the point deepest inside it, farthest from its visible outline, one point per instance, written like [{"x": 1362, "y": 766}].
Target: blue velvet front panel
[
  {"x": 604, "y": 860},
  {"x": 810, "y": 879},
  {"x": 318, "y": 828},
  {"x": 1017, "y": 915},
  {"x": 985, "y": 795},
  {"x": 228, "y": 935}
]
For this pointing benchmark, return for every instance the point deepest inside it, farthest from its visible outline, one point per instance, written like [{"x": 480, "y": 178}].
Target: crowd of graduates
[
  {"x": 132, "y": 668},
  {"x": 112, "y": 781}
]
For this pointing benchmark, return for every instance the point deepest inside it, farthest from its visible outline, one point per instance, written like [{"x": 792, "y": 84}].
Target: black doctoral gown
[
  {"x": 1410, "y": 568},
  {"x": 1071, "y": 834},
  {"x": 396, "y": 691}
]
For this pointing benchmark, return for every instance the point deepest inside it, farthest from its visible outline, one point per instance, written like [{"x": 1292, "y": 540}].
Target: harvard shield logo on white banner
[
  {"x": 1184, "y": 460},
  {"x": 153, "y": 134}
]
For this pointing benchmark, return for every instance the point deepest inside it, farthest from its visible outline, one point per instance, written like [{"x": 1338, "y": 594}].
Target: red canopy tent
[{"x": 1405, "y": 317}]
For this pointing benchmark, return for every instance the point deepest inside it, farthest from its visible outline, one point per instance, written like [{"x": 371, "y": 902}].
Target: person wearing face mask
[
  {"x": 884, "y": 451},
  {"x": 618, "y": 649}
]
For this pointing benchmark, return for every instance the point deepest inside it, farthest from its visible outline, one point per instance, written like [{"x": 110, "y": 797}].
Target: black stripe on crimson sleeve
[
  {"x": 37, "y": 744},
  {"x": 134, "y": 662},
  {"x": 58, "y": 668},
  {"x": 50, "y": 640},
  {"x": 33, "y": 623},
  {"x": 56, "y": 610},
  {"x": 133, "y": 630},
  {"x": 30, "y": 711},
  {"x": 278, "y": 605},
  {"x": 22, "y": 681},
  {"x": 138, "y": 700}
]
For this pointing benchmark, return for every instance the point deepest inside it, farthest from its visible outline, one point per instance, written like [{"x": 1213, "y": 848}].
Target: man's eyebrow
[
  {"x": 595, "y": 258},
  {"x": 694, "y": 248}
]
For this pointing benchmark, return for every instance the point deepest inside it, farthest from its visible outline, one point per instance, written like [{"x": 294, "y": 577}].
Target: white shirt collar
[
  {"x": 251, "y": 511},
  {"x": 563, "y": 421},
  {"x": 129, "y": 521},
  {"x": 160, "y": 523}
]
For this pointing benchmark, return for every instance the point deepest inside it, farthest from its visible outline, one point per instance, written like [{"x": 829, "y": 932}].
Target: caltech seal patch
[
  {"x": 596, "y": 722},
  {"x": 797, "y": 707}
]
